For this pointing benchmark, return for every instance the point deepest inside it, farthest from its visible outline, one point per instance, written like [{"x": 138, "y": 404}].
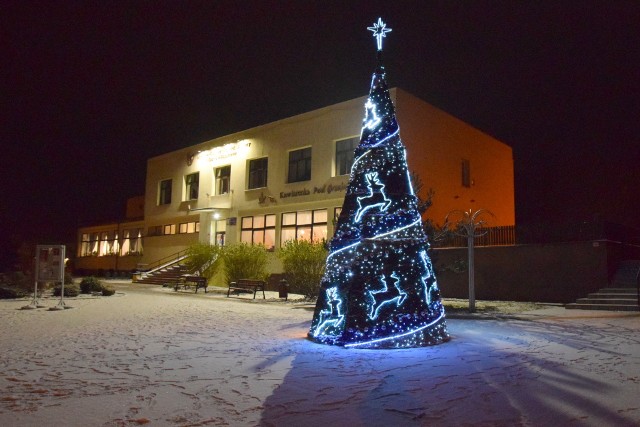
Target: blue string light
[{"x": 379, "y": 289}]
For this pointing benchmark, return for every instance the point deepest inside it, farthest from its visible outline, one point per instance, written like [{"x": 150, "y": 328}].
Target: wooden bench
[
  {"x": 189, "y": 281},
  {"x": 247, "y": 286}
]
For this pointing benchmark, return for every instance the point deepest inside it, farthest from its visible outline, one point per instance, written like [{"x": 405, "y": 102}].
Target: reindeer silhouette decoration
[
  {"x": 387, "y": 296},
  {"x": 376, "y": 197}
]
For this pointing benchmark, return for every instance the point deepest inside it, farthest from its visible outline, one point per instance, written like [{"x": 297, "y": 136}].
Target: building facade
[{"x": 287, "y": 180}]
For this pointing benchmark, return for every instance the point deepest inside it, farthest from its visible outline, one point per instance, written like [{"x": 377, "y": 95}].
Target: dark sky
[{"x": 91, "y": 90}]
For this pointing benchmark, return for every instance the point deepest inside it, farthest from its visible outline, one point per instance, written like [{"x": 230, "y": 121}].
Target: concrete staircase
[
  {"x": 621, "y": 296},
  {"x": 617, "y": 299},
  {"x": 168, "y": 274}
]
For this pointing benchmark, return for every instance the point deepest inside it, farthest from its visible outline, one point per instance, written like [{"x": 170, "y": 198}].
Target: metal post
[
  {"x": 34, "y": 301},
  {"x": 472, "y": 292}
]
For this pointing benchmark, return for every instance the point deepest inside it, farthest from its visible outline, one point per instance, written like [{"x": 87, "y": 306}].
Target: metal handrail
[{"x": 166, "y": 260}]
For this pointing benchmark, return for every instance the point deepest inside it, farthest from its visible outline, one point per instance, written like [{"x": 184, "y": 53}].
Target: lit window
[
  {"x": 304, "y": 225},
  {"x": 223, "y": 180},
  {"x": 85, "y": 245},
  {"x": 259, "y": 230},
  {"x": 257, "y": 173},
  {"x": 169, "y": 229},
  {"x": 164, "y": 192},
  {"x": 466, "y": 173},
  {"x": 300, "y": 165},
  {"x": 191, "y": 183},
  {"x": 344, "y": 155},
  {"x": 187, "y": 227},
  {"x": 131, "y": 242}
]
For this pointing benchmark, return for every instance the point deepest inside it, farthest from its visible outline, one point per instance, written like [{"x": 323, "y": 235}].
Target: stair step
[
  {"x": 618, "y": 290},
  {"x": 610, "y": 307},
  {"x": 596, "y": 300},
  {"x": 602, "y": 295}
]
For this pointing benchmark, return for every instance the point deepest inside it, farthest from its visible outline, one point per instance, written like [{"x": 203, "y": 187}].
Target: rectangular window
[
  {"x": 131, "y": 242},
  {"x": 257, "y": 173},
  {"x": 344, "y": 155},
  {"x": 169, "y": 229},
  {"x": 299, "y": 165},
  {"x": 85, "y": 245},
  {"x": 192, "y": 184},
  {"x": 187, "y": 227},
  {"x": 259, "y": 230},
  {"x": 466, "y": 173},
  {"x": 336, "y": 214},
  {"x": 223, "y": 180},
  {"x": 304, "y": 225},
  {"x": 155, "y": 230},
  {"x": 164, "y": 192}
]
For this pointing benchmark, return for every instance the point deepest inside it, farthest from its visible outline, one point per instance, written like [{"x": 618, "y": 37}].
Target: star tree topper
[{"x": 379, "y": 31}]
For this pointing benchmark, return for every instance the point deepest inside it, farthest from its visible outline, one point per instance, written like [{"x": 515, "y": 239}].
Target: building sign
[
  {"x": 224, "y": 152},
  {"x": 50, "y": 263},
  {"x": 327, "y": 188}
]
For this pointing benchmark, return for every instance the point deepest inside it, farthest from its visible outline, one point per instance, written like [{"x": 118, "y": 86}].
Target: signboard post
[{"x": 49, "y": 268}]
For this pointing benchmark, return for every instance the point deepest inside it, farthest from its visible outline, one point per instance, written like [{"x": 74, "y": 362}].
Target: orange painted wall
[{"x": 436, "y": 155}]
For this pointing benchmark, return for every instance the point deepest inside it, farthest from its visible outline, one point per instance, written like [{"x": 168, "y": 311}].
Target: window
[
  {"x": 304, "y": 225},
  {"x": 169, "y": 229},
  {"x": 257, "y": 173},
  {"x": 299, "y": 165},
  {"x": 259, "y": 229},
  {"x": 155, "y": 230},
  {"x": 336, "y": 214},
  {"x": 223, "y": 175},
  {"x": 87, "y": 243},
  {"x": 344, "y": 155},
  {"x": 188, "y": 227},
  {"x": 164, "y": 192},
  {"x": 466, "y": 173},
  {"x": 191, "y": 186},
  {"x": 131, "y": 242},
  {"x": 108, "y": 243}
]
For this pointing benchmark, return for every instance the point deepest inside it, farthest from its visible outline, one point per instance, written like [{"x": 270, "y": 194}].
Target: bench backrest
[{"x": 250, "y": 282}]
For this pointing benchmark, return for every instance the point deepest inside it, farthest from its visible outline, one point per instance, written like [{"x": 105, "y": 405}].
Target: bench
[
  {"x": 188, "y": 281},
  {"x": 247, "y": 286}
]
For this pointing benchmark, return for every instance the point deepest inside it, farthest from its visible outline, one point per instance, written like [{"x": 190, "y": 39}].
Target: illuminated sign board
[{"x": 224, "y": 152}]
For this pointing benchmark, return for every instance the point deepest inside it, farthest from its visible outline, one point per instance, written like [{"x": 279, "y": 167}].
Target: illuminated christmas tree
[{"x": 379, "y": 289}]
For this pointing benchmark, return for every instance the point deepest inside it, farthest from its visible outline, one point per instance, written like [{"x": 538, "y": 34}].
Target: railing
[
  {"x": 549, "y": 233},
  {"x": 166, "y": 260},
  {"x": 493, "y": 236}
]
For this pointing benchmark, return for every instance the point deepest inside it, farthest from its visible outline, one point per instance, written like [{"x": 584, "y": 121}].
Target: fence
[
  {"x": 543, "y": 233},
  {"x": 491, "y": 236}
]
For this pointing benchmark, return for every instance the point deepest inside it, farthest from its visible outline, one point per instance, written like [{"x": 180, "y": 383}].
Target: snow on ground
[{"x": 153, "y": 356}]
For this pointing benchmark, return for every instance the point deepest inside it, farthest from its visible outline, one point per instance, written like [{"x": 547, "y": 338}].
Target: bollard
[{"x": 283, "y": 290}]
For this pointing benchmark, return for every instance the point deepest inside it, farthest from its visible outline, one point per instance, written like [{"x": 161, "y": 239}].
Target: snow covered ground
[{"x": 152, "y": 356}]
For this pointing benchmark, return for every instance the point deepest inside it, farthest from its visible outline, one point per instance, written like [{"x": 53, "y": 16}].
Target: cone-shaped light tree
[{"x": 379, "y": 289}]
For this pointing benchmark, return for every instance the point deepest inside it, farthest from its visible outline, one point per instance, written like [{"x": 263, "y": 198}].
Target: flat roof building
[{"x": 287, "y": 180}]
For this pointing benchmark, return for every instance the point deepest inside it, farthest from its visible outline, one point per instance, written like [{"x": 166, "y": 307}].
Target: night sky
[{"x": 91, "y": 90}]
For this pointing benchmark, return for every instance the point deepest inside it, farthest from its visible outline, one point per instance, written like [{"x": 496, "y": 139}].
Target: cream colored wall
[{"x": 436, "y": 143}]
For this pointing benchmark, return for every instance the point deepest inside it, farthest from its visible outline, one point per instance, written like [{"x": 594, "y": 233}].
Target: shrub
[
  {"x": 70, "y": 290},
  {"x": 18, "y": 280},
  {"x": 107, "y": 291},
  {"x": 11, "y": 293},
  {"x": 242, "y": 261},
  {"x": 303, "y": 265},
  {"x": 90, "y": 284},
  {"x": 204, "y": 259}
]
